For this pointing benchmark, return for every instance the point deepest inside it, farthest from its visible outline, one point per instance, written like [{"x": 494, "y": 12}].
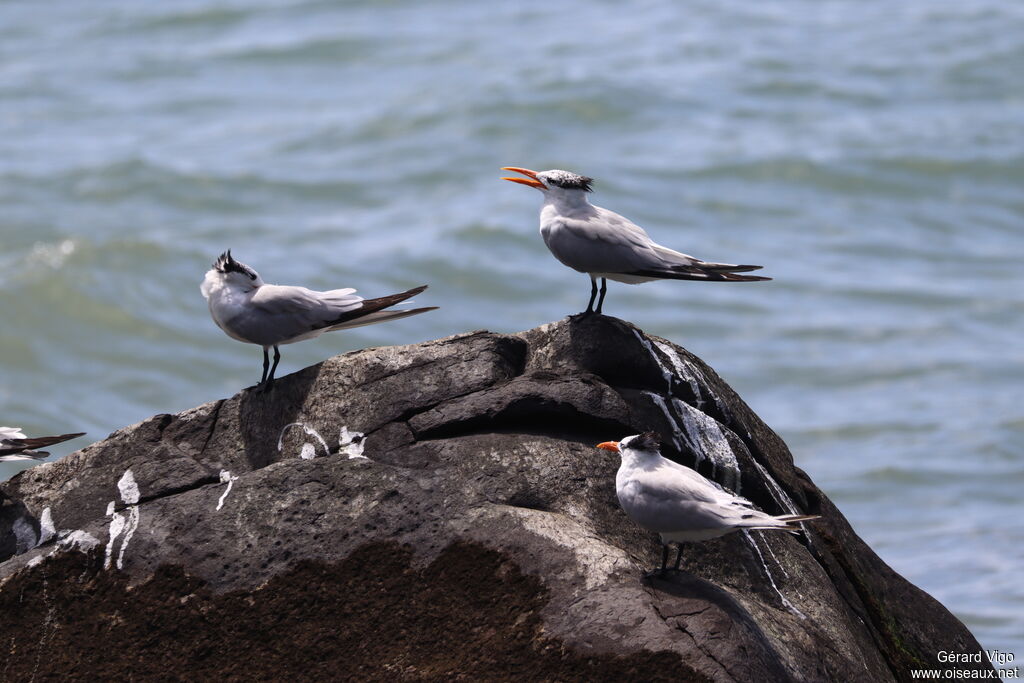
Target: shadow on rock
[{"x": 264, "y": 416}]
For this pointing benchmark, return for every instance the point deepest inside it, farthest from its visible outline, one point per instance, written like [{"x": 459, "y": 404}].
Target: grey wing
[
  {"x": 666, "y": 502},
  {"x": 602, "y": 242},
  {"x": 709, "y": 489},
  {"x": 605, "y": 242},
  {"x": 678, "y": 261},
  {"x": 288, "y": 313}
]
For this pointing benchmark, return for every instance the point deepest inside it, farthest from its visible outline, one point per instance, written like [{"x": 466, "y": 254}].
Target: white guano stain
[
  {"x": 703, "y": 434},
  {"x": 351, "y": 444},
  {"x": 660, "y": 402},
  {"x": 665, "y": 372},
  {"x": 682, "y": 370},
  {"x": 772, "y": 553},
  {"x": 785, "y": 601},
  {"x": 117, "y": 522},
  {"x": 782, "y": 498},
  {"x": 706, "y": 438},
  {"x": 685, "y": 370},
  {"x": 689, "y": 371},
  {"x": 308, "y": 451},
  {"x": 128, "y": 488},
  {"x": 126, "y": 524},
  {"x": 226, "y": 478},
  {"x": 130, "y": 527},
  {"x": 46, "y": 527},
  {"x": 78, "y": 540},
  {"x": 778, "y": 495}
]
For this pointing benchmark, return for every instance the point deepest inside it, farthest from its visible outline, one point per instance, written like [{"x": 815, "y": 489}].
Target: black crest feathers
[
  {"x": 226, "y": 264},
  {"x": 569, "y": 181},
  {"x": 648, "y": 441}
]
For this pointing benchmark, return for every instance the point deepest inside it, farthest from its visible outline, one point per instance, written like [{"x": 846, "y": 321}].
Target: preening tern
[{"x": 251, "y": 311}]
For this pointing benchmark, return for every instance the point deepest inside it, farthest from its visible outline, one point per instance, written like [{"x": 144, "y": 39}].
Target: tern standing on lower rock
[
  {"x": 14, "y": 445},
  {"x": 251, "y": 311},
  {"x": 677, "y": 502},
  {"x": 605, "y": 245}
]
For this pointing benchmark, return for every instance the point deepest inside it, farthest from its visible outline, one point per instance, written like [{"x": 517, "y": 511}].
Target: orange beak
[
  {"x": 609, "y": 446},
  {"x": 530, "y": 181}
]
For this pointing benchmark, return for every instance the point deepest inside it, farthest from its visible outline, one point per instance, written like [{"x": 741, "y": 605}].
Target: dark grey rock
[{"x": 487, "y": 440}]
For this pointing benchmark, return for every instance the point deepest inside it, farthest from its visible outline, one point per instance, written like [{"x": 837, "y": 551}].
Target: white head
[
  {"x": 230, "y": 274},
  {"x": 556, "y": 184},
  {"x": 646, "y": 444}
]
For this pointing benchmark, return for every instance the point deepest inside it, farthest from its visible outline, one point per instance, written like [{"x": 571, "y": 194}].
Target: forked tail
[{"x": 372, "y": 311}]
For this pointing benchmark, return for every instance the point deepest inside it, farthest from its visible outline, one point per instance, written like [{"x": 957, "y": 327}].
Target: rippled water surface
[{"x": 869, "y": 154}]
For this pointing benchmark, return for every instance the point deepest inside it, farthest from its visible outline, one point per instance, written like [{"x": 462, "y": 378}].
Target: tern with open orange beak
[
  {"x": 529, "y": 181},
  {"x": 605, "y": 245},
  {"x": 681, "y": 505}
]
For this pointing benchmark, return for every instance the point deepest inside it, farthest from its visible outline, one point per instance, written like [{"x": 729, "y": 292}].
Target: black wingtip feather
[
  {"x": 715, "y": 268},
  {"x": 378, "y": 304},
  {"x": 25, "y": 446},
  {"x": 699, "y": 275}
]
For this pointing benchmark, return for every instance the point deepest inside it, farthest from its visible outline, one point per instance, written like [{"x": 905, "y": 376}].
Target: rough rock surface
[{"x": 472, "y": 532}]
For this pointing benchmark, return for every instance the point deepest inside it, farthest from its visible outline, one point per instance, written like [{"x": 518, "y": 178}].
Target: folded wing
[
  {"x": 670, "y": 500},
  {"x": 371, "y": 311},
  {"x": 605, "y": 242},
  {"x": 281, "y": 314}
]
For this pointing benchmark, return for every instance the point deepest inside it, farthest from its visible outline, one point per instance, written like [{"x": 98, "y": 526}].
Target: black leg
[
  {"x": 663, "y": 569},
  {"x": 266, "y": 366},
  {"x": 270, "y": 379},
  {"x": 679, "y": 555},
  {"x": 593, "y": 295},
  {"x": 604, "y": 288}
]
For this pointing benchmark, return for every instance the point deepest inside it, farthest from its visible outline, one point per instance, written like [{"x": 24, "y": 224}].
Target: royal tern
[
  {"x": 605, "y": 245},
  {"x": 251, "y": 311},
  {"x": 681, "y": 505},
  {"x": 14, "y": 445}
]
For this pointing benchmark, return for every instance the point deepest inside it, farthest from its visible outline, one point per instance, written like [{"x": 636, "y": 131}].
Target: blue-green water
[{"x": 869, "y": 154}]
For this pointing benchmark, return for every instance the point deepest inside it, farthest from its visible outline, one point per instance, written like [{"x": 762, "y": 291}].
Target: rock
[{"x": 478, "y": 534}]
